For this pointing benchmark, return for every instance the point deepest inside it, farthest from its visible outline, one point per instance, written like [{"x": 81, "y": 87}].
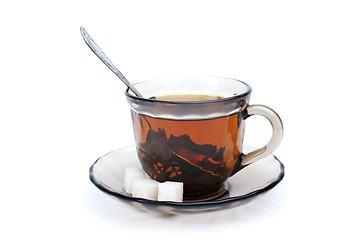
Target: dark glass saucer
[{"x": 107, "y": 173}]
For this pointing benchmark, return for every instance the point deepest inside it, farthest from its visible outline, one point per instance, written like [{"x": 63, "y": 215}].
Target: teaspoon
[{"x": 101, "y": 55}]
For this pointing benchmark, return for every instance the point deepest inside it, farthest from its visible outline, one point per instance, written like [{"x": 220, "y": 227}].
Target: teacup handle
[{"x": 277, "y": 133}]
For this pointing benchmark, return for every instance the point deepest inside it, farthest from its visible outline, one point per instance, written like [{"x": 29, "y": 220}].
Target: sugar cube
[
  {"x": 145, "y": 188},
  {"x": 132, "y": 174},
  {"x": 170, "y": 191}
]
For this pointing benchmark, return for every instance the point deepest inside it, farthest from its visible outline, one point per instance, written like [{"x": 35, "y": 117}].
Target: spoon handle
[{"x": 101, "y": 55}]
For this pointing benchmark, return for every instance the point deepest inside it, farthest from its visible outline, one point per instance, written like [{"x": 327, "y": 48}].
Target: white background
[{"x": 61, "y": 109}]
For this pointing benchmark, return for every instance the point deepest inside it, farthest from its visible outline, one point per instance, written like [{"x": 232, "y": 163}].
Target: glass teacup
[{"x": 191, "y": 129}]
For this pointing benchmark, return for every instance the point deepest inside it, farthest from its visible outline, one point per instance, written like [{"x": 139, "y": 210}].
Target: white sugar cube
[
  {"x": 145, "y": 188},
  {"x": 132, "y": 174},
  {"x": 170, "y": 191}
]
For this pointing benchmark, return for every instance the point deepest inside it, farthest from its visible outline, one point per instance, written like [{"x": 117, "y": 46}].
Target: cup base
[{"x": 220, "y": 192}]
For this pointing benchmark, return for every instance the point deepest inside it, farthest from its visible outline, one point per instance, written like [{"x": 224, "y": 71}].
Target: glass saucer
[{"x": 107, "y": 173}]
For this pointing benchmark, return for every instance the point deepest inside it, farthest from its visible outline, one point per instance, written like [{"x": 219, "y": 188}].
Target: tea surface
[{"x": 186, "y": 97}]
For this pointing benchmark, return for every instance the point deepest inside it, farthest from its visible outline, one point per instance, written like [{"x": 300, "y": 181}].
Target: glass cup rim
[{"x": 243, "y": 94}]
